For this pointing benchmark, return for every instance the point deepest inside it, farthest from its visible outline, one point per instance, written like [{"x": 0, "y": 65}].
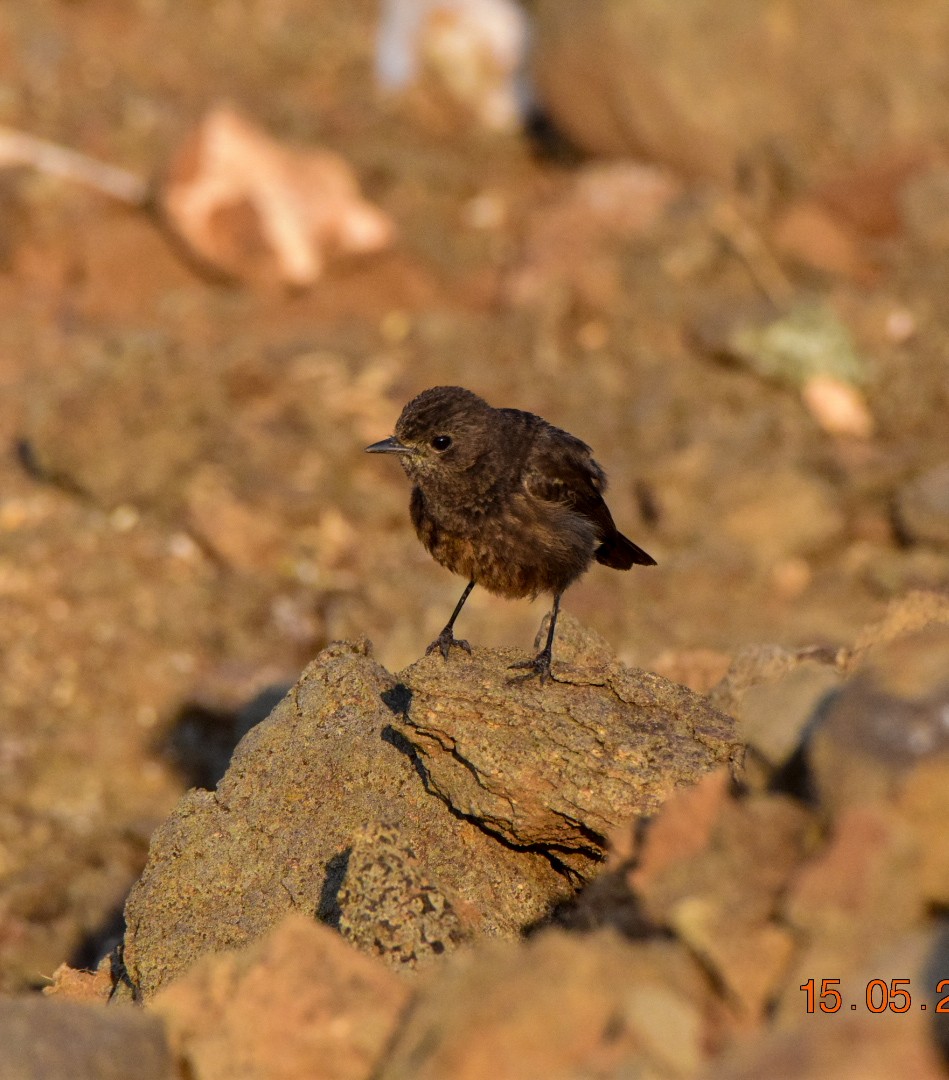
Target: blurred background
[{"x": 710, "y": 239}]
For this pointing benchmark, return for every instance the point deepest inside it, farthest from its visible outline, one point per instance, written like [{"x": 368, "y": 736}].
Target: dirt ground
[{"x": 186, "y": 512}]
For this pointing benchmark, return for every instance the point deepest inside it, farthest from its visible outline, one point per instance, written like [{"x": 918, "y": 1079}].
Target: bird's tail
[{"x": 620, "y": 553}]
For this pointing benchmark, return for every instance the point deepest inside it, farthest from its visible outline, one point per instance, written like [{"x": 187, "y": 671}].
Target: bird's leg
[
  {"x": 540, "y": 665},
  {"x": 446, "y": 638}
]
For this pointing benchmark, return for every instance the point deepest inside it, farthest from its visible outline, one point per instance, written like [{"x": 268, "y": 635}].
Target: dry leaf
[
  {"x": 817, "y": 237},
  {"x": 253, "y": 208}
]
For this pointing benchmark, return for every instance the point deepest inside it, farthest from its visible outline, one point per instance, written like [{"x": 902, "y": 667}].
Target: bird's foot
[
  {"x": 539, "y": 667},
  {"x": 444, "y": 642}
]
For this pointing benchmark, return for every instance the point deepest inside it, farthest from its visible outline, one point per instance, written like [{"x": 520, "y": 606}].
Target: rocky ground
[
  {"x": 738, "y": 304},
  {"x": 496, "y": 892}
]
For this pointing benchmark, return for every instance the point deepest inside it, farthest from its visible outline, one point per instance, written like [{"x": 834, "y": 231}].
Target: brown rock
[
  {"x": 626, "y": 77},
  {"x": 559, "y": 765},
  {"x": 300, "y": 1003},
  {"x": 879, "y": 767},
  {"x": 275, "y": 835},
  {"x": 387, "y": 905},
  {"x": 923, "y": 507},
  {"x": 599, "y": 85},
  {"x": 912, "y": 666},
  {"x": 914, "y": 611},
  {"x": 775, "y": 715},
  {"x": 886, "y": 720},
  {"x": 866, "y": 879},
  {"x": 812, "y": 234},
  {"x": 855, "y": 1041},
  {"x": 59, "y": 882},
  {"x": 713, "y": 869},
  {"x": 867, "y": 1047},
  {"x": 757, "y": 665},
  {"x": 868, "y": 196},
  {"x": 922, "y": 205},
  {"x": 46, "y": 1040},
  {"x": 578, "y": 646},
  {"x": 90, "y": 987},
  {"x": 558, "y": 1006},
  {"x": 682, "y": 831},
  {"x": 924, "y": 804}
]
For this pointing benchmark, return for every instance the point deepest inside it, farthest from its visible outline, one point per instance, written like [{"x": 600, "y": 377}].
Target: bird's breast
[{"x": 513, "y": 546}]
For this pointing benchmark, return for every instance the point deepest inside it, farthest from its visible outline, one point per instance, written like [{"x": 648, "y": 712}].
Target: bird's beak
[{"x": 389, "y": 446}]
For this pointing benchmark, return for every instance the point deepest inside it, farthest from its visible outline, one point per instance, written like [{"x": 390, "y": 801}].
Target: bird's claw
[
  {"x": 539, "y": 667},
  {"x": 444, "y": 642}
]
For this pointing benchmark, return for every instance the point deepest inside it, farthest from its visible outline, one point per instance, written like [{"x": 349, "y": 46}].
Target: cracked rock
[
  {"x": 277, "y": 833},
  {"x": 560, "y": 765}
]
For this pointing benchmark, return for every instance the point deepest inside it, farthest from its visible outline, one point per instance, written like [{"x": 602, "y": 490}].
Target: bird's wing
[{"x": 560, "y": 469}]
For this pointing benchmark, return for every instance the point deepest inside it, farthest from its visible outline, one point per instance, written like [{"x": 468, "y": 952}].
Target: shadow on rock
[{"x": 201, "y": 740}]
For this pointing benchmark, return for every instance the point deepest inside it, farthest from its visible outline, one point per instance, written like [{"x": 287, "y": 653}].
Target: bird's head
[{"x": 441, "y": 433}]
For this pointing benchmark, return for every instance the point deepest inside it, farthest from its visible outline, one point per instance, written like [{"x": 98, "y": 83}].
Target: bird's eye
[{"x": 441, "y": 443}]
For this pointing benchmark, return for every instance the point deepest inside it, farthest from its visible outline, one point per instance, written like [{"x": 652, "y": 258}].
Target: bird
[{"x": 507, "y": 500}]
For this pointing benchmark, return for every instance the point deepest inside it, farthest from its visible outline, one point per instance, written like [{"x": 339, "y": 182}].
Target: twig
[
  {"x": 747, "y": 243},
  {"x": 18, "y": 148}
]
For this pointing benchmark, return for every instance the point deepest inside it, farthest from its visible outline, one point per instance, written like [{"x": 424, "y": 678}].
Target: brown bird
[{"x": 506, "y": 500}]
